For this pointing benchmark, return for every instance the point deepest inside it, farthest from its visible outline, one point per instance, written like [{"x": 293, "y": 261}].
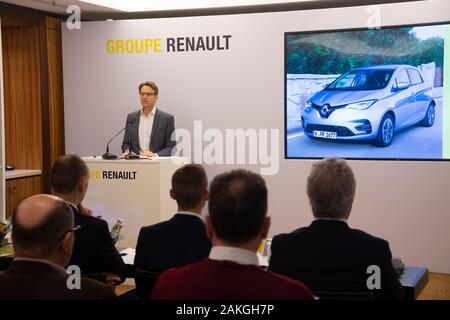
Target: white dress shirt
[
  {"x": 145, "y": 129},
  {"x": 237, "y": 255}
]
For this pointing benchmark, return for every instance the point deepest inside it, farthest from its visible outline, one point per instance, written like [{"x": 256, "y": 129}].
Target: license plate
[{"x": 324, "y": 134}]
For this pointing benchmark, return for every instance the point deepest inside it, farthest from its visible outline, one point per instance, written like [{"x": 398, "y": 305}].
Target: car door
[
  {"x": 421, "y": 99},
  {"x": 404, "y": 99}
]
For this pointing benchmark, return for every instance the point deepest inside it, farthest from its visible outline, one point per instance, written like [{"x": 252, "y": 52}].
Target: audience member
[
  {"x": 182, "y": 239},
  {"x": 94, "y": 251},
  {"x": 328, "y": 255},
  {"x": 42, "y": 233},
  {"x": 236, "y": 224}
]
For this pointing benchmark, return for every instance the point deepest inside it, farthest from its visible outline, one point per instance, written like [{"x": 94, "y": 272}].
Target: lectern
[{"x": 135, "y": 190}]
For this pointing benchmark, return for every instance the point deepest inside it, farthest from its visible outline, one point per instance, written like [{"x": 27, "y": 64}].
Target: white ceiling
[
  {"x": 127, "y": 9},
  {"x": 113, "y": 6}
]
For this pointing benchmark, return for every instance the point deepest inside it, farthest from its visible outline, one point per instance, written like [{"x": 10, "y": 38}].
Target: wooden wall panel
[
  {"x": 19, "y": 189},
  {"x": 55, "y": 88},
  {"x": 22, "y": 96}
]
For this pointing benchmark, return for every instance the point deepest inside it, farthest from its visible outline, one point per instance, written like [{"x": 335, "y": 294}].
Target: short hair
[
  {"x": 44, "y": 237},
  {"x": 66, "y": 173},
  {"x": 237, "y": 205},
  {"x": 189, "y": 184},
  {"x": 151, "y": 84},
  {"x": 331, "y": 188}
]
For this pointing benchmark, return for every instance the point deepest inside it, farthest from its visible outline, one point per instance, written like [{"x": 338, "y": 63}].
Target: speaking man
[{"x": 149, "y": 130}]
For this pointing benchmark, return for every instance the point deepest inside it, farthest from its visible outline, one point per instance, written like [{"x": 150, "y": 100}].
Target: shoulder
[
  {"x": 163, "y": 114},
  {"x": 89, "y": 221},
  {"x": 364, "y": 236},
  {"x": 187, "y": 271},
  {"x": 133, "y": 114},
  {"x": 287, "y": 237},
  {"x": 155, "y": 227},
  {"x": 287, "y": 284}
]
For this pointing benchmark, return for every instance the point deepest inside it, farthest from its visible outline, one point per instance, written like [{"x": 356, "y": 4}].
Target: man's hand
[
  {"x": 84, "y": 210},
  {"x": 148, "y": 153},
  {"x": 112, "y": 279}
]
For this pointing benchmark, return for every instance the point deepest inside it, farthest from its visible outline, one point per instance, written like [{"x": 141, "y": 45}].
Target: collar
[
  {"x": 234, "y": 254},
  {"x": 73, "y": 205},
  {"x": 331, "y": 219},
  {"x": 52, "y": 264},
  {"x": 187, "y": 213},
  {"x": 152, "y": 113}
]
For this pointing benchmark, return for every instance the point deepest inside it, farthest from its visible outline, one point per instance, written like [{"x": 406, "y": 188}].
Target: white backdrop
[{"x": 406, "y": 203}]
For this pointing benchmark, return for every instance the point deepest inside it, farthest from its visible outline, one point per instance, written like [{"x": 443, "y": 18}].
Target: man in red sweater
[{"x": 236, "y": 224}]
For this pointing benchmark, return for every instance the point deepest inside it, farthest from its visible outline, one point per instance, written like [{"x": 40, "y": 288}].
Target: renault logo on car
[{"x": 325, "y": 110}]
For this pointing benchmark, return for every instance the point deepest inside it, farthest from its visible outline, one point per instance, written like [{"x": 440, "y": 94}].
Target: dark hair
[
  {"x": 151, "y": 84},
  {"x": 67, "y": 171},
  {"x": 237, "y": 205},
  {"x": 189, "y": 184},
  {"x": 331, "y": 188},
  {"x": 44, "y": 236}
]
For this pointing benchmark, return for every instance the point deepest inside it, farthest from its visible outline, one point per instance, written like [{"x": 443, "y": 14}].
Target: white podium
[{"x": 135, "y": 190}]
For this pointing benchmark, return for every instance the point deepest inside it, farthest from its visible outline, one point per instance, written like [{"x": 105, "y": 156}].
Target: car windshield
[{"x": 368, "y": 79}]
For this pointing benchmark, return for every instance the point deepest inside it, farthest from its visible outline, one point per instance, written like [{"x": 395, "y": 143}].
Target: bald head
[
  {"x": 33, "y": 210},
  {"x": 39, "y": 222}
]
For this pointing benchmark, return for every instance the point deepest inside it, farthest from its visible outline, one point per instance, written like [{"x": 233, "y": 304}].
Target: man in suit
[
  {"x": 94, "y": 251},
  {"x": 182, "y": 239},
  {"x": 42, "y": 232},
  {"x": 236, "y": 224},
  {"x": 329, "y": 255},
  {"x": 149, "y": 129}
]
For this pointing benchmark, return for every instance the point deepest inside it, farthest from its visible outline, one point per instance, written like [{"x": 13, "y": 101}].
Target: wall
[
  {"x": 404, "y": 202},
  {"x": 33, "y": 101},
  {"x": 2, "y": 135}
]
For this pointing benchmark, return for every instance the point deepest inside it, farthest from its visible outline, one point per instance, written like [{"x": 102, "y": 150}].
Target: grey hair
[{"x": 331, "y": 188}]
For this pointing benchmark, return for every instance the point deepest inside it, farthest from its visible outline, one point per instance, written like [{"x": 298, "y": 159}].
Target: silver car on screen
[{"x": 370, "y": 103}]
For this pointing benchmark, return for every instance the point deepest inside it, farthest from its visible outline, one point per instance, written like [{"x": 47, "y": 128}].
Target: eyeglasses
[
  {"x": 73, "y": 229},
  {"x": 148, "y": 94}
]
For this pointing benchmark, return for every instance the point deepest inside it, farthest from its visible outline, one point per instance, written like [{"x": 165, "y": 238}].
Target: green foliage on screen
[{"x": 338, "y": 52}]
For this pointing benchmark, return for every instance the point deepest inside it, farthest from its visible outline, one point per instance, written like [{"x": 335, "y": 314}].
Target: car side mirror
[{"x": 400, "y": 86}]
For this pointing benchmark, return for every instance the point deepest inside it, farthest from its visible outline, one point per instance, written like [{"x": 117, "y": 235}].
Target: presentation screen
[{"x": 368, "y": 94}]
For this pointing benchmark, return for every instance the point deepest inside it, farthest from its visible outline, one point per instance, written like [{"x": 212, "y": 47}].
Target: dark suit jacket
[
  {"x": 226, "y": 280},
  {"x": 30, "y": 280},
  {"x": 160, "y": 139},
  {"x": 94, "y": 250},
  {"x": 173, "y": 243},
  {"x": 330, "y": 256}
]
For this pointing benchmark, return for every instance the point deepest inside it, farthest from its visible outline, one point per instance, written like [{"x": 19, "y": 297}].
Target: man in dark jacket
[
  {"x": 94, "y": 251},
  {"x": 329, "y": 255}
]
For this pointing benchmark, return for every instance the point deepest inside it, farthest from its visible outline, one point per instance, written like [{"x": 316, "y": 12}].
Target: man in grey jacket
[{"x": 149, "y": 131}]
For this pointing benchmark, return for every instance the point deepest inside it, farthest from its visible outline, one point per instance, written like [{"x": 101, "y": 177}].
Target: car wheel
[
  {"x": 429, "y": 116},
  {"x": 385, "y": 131}
]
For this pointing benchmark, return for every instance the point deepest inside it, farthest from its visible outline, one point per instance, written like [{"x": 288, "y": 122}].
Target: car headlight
[
  {"x": 308, "y": 104},
  {"x": 362, "y": 105}
]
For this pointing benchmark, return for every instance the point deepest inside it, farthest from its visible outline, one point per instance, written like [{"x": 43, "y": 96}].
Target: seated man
[
  {"x": 329, "y": 255},
  {"x": 236, "y": 224},
  {"x": 94, "y": 251},
  {"x": 182, "y": 239},
  {"x": 42, "y": 232}
]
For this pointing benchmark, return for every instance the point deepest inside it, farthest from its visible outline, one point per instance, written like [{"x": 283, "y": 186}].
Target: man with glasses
[
  {"x": 149, "y": 130},
  {"x": 94, "y": 251},
  {"x": 43, "y": 237}
]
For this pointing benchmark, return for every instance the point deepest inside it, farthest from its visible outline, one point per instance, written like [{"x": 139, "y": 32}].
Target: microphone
[
  {"x": 108, "y": 155},
  {"x": 131, "y": 155}
]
